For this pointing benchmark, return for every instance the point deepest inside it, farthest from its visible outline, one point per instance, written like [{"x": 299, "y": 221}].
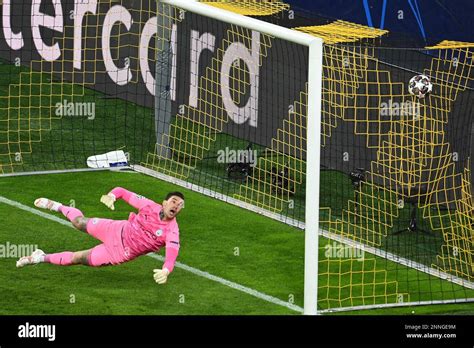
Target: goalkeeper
[{"x": 151, "y": 229}]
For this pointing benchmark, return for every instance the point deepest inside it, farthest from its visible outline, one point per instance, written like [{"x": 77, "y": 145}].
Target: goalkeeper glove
[
  {"x": 108, "y": 200},
  {"x": 161, "y": 275}
]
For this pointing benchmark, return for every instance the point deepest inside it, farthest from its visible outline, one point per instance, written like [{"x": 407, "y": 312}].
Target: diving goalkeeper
[{"x": 151, "y": 229}]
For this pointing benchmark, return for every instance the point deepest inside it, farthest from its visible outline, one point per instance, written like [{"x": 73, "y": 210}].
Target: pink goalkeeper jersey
[{"x": 148, "y": 233}]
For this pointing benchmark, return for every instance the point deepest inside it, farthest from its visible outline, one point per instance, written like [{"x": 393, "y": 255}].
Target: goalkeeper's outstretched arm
[
  {"x": 161, "y": 275},
  {"x": 131, "y": 198}
]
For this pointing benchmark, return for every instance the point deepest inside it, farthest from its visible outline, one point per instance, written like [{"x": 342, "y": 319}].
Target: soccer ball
[{"x": 420, "y": 86}]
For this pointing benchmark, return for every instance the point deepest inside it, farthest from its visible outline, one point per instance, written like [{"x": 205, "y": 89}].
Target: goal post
[
  {"x": 313, "y": 127},
  {"x": 313, "y": 145}
]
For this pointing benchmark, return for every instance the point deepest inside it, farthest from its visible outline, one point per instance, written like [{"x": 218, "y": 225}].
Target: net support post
[{"x": 313, "y": 150}]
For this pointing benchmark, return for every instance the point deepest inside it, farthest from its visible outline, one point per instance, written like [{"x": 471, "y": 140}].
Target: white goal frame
[{"x": 313, "y": 128}]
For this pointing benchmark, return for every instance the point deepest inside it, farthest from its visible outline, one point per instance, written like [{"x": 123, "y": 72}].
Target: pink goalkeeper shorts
[{"x": 112, "y": 250}]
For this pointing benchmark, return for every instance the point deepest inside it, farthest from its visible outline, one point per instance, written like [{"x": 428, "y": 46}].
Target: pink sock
[
  {"x": 70, "y": 212},
  {"x": 62, "y": 259}
]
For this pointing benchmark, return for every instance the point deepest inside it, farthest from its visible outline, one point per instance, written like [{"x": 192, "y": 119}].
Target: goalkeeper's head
[{"x": 172, "y": 205}]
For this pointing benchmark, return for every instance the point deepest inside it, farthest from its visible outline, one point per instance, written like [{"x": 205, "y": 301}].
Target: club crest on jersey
[{"x": 159, "y": 232}]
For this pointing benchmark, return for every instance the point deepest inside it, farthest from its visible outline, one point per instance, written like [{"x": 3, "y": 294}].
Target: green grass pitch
[{"x": 218, "y": 238}]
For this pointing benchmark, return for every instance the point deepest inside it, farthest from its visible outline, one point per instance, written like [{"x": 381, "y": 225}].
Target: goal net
[
  {"x": 395, "y": 208},
  {"x": 257, "y": 113}
]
